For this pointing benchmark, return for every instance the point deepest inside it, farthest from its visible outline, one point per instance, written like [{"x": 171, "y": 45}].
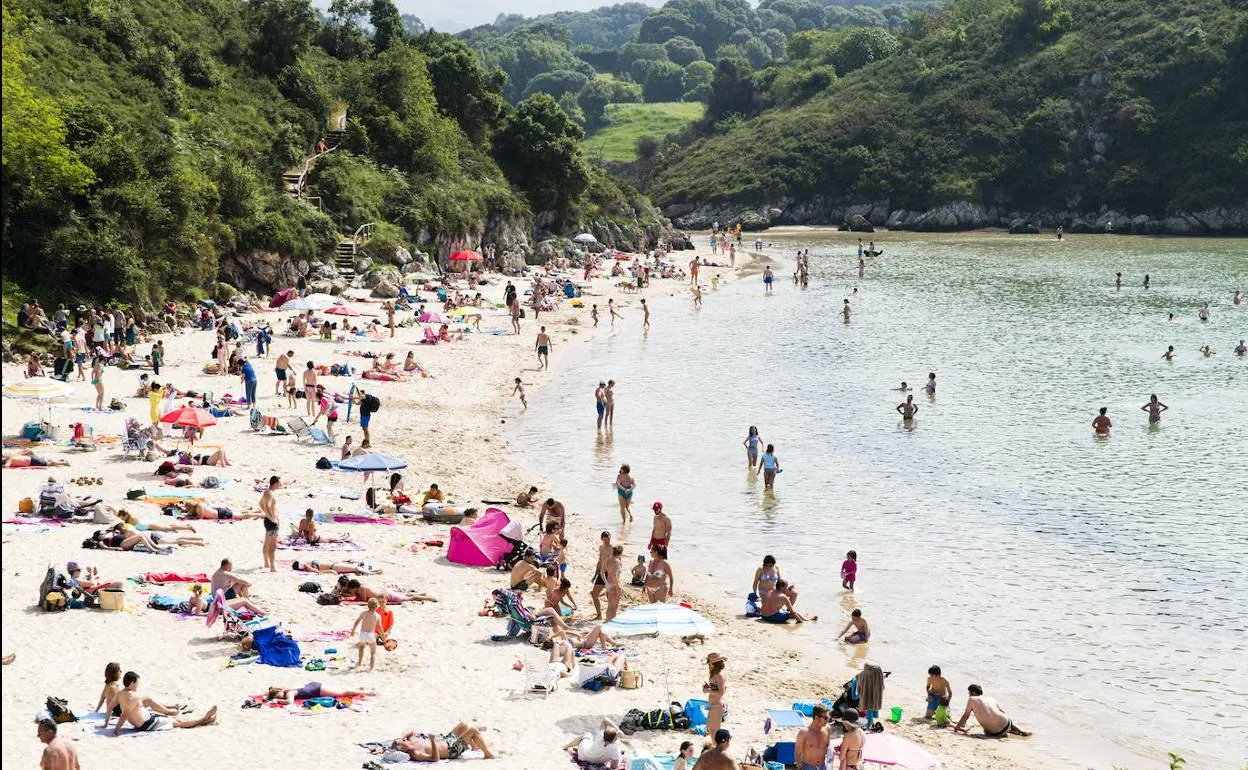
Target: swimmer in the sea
[
  {"x": 1118, "y": 281},
  {"x": 1171, "y": 318},
  {"x": 1169, "y": 354},
  {"x": 1154, "y": 409},
  {"x": 1203, "y": 313},
  {"x": 908, "y": 409},
  {"x": 904, "y": 388},
  {"x": 1101, "y": 423},
  {"x": 1208, "y": 351},
  {"x": 1241, "y": 348},
  {"x": 1146, "y": 280},
  {"x": 930, "y": 387},
  {"x": 845, "y": 311}
]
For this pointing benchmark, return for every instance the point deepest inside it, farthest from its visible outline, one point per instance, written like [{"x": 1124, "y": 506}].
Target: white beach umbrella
[
  {"x": 659, "y": 618},
  {"x": 585, "y": 238},
  {"x": 38, "y": 389},
  {"x": 310, "y": 302}
]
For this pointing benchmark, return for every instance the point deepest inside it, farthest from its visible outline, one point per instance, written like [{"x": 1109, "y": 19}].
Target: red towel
[{"x": 175, "y": 577}]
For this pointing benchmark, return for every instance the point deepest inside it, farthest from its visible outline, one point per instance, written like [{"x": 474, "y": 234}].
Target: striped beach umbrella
[
  {"x": 38, "y": 389},
  {"x": 661, "y": 618}
]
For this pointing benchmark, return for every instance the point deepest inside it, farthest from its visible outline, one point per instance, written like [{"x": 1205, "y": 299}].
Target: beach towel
[
  {"x": 175, "y": 577},
  {"x": 871, "y": 688},
  {"x": 322, "y": 636},
  {"x": 276, "y": 649},
  {"x": 351, "y": 518},
  {"x": 299, "y": 544}
]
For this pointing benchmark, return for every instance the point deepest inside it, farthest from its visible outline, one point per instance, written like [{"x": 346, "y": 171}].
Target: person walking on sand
[
  {"x": 615, "y": 565},
  {"x": 732, "y": 255},
  {"x": 369, "y": 623},
  {"x": 514, "y": 307},
  {"x": 1154, "y": 409},
  {"x": 519, "y": 391},
  {"x": 715, "y": 688},
  {"x": 600, "y": 402},
  {"x": 845, "y": 310},
  {"x": 989, "y": 714},
  {"x": 272, "y": 522},
  {"x": 1101, "y": 423},
  {"x": 543, "y": 345},
  {"x": 282, "y": 370},
  {"x": 625, "y": 486},
  {"x": 693, "y": 270},
  {"x": 908, "y": 409},
  {"x": 645, "y": 323},
  {"x": 593, "y": 313},
  {"x": 97, "y": 379},
  {"x": 661, "y": 529},
  {"x": 771, "y": 466},
  {"x": 600, "y": 573},
  {"x": 608, "y": 397}
]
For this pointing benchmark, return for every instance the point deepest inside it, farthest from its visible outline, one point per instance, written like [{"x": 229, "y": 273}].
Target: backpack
[
  {"x": 311, "y": 587},
  {"x": 58, "y": 710},
  {"x": 370, "y": 403},
  {"x": 324, "y": 464},
  {"x": 51, "y": 597},
  {"x": 328, "y": 599}
]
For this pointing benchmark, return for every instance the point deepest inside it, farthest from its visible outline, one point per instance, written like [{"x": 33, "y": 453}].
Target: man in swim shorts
[
  {"x": 1101, "y": 423},
  {"x": 811, "y": 750},
  {"x": 429, "y": 747},
  {"x": 776, "y": 605},
  {"x": 661, "y": 531},
  {"x": 137, "y": 710},
  {"x": 768, "y": 278},
  {"x": 600, "y": 402},
  {"x": 543, "y": 345},
  {"x": 989, "y": 714}
]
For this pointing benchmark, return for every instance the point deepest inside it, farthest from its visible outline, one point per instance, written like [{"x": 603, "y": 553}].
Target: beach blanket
[
  {"x": 313, "y": 705},
  {"x": 299, "y": 544},
  {"x": 94, "y": 725},
  {"x": 389, "y": 758},
  {"x": 322, "y": 636},
  {"x": 36, "y": 521},
  {"x": 351, "y": 518},
  {"x": 175, "y": 577}
]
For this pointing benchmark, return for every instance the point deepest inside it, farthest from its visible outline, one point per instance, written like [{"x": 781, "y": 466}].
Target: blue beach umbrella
[
  {"x": 371, "y": 463},
  {"x": 667, "y": 619}
]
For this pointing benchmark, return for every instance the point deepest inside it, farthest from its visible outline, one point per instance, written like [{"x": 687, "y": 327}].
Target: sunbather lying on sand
[
  {"x": 137, "y": 710},
  {"x": 426, "y": 747},
  {"x": 313, "y": 690},
  {"x": 165, "y": 540},
  {"x": 349, "y": 588},
  {"x": 200, "y": 510},
  {"x": 115, "y": 540},
  {"x": 345, "y": 567},
  {"x": 25, "y": 458},
  {"x": 143, "y": 526}
]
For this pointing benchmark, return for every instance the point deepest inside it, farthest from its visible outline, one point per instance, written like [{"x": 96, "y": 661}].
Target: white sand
[{"x": 446, "y": 669}]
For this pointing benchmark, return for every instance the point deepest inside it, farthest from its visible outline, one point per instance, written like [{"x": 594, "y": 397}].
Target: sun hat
[
  {"x": 849, "y": 716},
  {"x": 714, "y": 658}
]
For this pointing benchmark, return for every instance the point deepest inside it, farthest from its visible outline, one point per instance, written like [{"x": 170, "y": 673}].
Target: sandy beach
[{"x": 450, "y": 428}]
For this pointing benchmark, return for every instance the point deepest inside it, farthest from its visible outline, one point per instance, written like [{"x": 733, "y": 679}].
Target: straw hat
[
  {"x": 714, "y": 658},
  {"x": 849, "y": 716}
]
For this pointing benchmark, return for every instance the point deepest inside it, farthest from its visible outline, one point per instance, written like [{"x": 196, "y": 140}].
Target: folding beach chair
[
  {"x": 302, "y": 430},
  {"x": 430, "y": 337},
  {"x": 520, "y": 620},
  {"x": 539, "y": 677}
]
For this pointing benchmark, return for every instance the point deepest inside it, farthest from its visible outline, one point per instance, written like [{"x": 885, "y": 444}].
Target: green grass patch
[{"x": 626, "y": 123}]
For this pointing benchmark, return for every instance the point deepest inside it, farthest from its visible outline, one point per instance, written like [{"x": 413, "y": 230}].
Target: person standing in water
[
  {"x": 1237, "y": 299},
  {"x": 1203, "y": 313},
  {"x": 600, "y": 403},
  {"x": 771, "y": 466},
  {"x": 625, "y": 486},
  {"x": 1146, "y": 280},
  {"x": 608, "y": 398},
  {"x": 862, "y": 267},
  {"x": 645, "y": 324},
  {"x": 930, "y": 387},
  {"x": 845, "y": 310},
  {"x": 768, "y": 277},
  {"x": 1118, "y": 281},
  {"x": 908, "y": 409},
  {"x": 1169, "y": 354},
  {"x": 614, "y": 313},
  {"x": 693, "y": 270},
  {"x": 860, "y": 249},
  {"x": 1101, "y": 423},
  {"x": 1154, "y": 409},
  {"x": 1060, "y": 231},
  {"x": 1241, "y": 348},
  {"x": 751, "y": 444}
]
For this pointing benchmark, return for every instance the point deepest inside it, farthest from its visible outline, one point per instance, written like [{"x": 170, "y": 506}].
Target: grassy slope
[{"x": 629, "y": 122}]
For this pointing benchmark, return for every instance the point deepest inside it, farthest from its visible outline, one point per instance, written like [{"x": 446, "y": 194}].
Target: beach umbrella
[
  {"x": 660, "y": 618},
  {"x": 417, "y": 277},
  {"x": 585, "y": 238},
  {"x": 372, "y": 463},
  {"x": 887, "y": 749},
  {"x": 190, "y": 417},
  {"x": 38, "y": 389},
  {"x": 342, "y": 310},
  {"x": 465, "y": 256},
  {"x": 466, "y": 311}
]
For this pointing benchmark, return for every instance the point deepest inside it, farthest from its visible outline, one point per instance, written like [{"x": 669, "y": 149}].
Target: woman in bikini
[
  {"x": 127, "y": 529},
  {"x": 715, "y": 688},
  {"x": 660, "y": 582},
  {"x": 312, "y": 690},
  {"x": 752, "y": 443},
  {"x": 560, "y": 597},
  {"x": 142, "y": 526},
  {"x": 339, "y": 567},
  {"x": 625, "y": 485},
  {"x": 766, "y": 577},
  {"x": 97, "y": 379}
]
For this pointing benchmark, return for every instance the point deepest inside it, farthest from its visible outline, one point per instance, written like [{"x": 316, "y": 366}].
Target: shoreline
[{"x": 452, "y": 429}]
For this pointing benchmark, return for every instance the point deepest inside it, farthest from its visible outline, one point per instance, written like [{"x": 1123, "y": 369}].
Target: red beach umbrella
[
  {"x": 342, "y": 310},
  {"x": 465, "y": 256},
  {"x": 189, "y": 417}
]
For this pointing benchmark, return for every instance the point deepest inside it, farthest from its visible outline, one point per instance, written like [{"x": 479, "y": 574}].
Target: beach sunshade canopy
[
  {"x": 38, "y": 389},
  {"x": 310, "y": 302},
  {"x": 342, "y": 310},
  {"x": 465, "y": 256},
  {"x": 189, "y": 417},
  {"x": 482, "y": 544},
  {"x": 663, "y": 618},
  {"x": 585, "y": 238},
  {"x": 467, "y": 311},
  {"x": 417, "y": 276},
  {"x": 372, "y": 463},
  {"x": 886, "y": 749}
]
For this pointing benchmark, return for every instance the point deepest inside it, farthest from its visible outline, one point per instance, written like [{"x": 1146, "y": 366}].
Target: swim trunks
[
  {"x": 858, "y": 637},
  {"x": 1004, "y": 730},
  {"x": 225, "y": 514},
  {"x": 455, "y": 746},
  {"x": 365, "y": 419},
  {"x": 627, "y": 494},
  {"x": 523, "y": 585},
  {"x": 658, "y": 541},
  {"x": 598, "y": 580},
  {"x": 542, "y": 350},
  {"x": 368, "y": 637},
  {"x": 270, "y": 527},
  {"x": 778, "y": 617},
  {"x": 281, "y": 374},
  {"x": 156, "y": 723},
  {"x": 808, "y": 766},
  {"x": 601, "y": 407}
]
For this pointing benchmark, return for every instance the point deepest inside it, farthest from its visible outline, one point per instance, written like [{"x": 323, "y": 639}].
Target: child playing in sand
[
  {"x": 849, "y": 570},
  {"x": 639, "y": 571},
  {"x": 368, "y": 622},
  {"x": 519, "y": 391},
  {"x": 939, "y": 693},
  {"x": 196, "y": 604},
  {"x": 291, "y": 401}
]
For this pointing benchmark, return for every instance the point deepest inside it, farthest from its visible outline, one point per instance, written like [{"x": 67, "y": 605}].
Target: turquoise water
[{"x": 1099, "y": 588}]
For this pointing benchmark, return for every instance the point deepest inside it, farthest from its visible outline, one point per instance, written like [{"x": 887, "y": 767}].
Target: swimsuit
[
  {"x": 156, "y": 723},
  {"x": 1004, "y": 730},
  {"x": 782, "y": 616},
  {"x": 309, "y": 690},
  {"x": 656, "y": 541},
  {"x": 601, "y": 406},
  {"x": 542, "y": 350},
  {"x": 455, "y": 745},
  {"x": 627, "y": 494},
  {"x": 270, "y": 527},
  {"x": 858, "y": 637}
]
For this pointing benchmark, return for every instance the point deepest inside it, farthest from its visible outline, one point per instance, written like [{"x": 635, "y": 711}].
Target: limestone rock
[
  {"x": 385, "y": 290},
  {"x": 858, "y": 223}
]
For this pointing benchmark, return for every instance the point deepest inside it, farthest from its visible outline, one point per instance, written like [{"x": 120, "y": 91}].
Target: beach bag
[
  {"x": 657, "y": 719},
  {"x": 50, "y": 596},
  {"x": 370, "y": 403},
  {"x": 58, "y": 710},
  {"x": 324, "y": 464},
  {"x": 136, "y": 493},
  {"x": 328, "y": 599},
  {"x": 311, "y": 587},
  {"x": 631, "y": 678}
]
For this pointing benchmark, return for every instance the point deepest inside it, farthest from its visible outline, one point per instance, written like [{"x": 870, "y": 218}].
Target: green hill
[
  {"x": 626, "y": 123},
  {"x": 1038, "y": 105}
]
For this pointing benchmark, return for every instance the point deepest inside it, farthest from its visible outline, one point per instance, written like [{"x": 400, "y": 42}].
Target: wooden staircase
[{"x": 344, "y": 258}]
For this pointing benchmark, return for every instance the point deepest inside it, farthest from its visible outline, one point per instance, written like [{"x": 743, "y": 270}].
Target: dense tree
[
  {"x": 682, "y": 51},
  {"x": 388, "y": 26},
  {"x": 709, "y": 23},
  {"x": 283, "y": 29},
  {"x": 664, "y": 82},
  {"x": 697, "y": 81},
  {"x": 538, "y": 148},
  {"x": 465, "y": 90},
  {"x": 556, "y": 83},
  {"x": 732, "y": 92}
]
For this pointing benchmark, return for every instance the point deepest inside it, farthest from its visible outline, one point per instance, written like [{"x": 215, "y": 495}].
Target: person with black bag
[{"x": 369, "y": 404}]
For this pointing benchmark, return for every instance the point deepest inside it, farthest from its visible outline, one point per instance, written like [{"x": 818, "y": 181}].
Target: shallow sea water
[{"x": 1098, "y": 588}]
